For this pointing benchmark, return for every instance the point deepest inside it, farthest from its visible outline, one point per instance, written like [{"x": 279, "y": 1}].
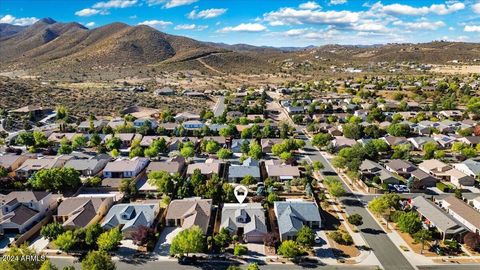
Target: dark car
[{"x": 184, "y": 260}]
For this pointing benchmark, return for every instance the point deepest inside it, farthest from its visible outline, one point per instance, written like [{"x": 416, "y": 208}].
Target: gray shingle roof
[
  {"x": 292, "y": 214},
  {"x": 252, "y": 217},
  {"x": 238, "y": 171},
  {"x": 130, "y": 215},
  {"x": 438, "y": 217}
]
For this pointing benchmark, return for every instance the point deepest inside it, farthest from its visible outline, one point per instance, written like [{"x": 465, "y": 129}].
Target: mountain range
[{"x": 51, "y": 46}]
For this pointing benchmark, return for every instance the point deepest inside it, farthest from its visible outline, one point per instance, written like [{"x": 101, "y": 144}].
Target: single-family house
[
  {"x": 125, "y": 168},
  {"x": 436, "y": 168},
  {"x": 282, "y": 172},
  {"x": 12, "y": 162},
  {"x": 249, "y": 167},
  {"x": 186, "y": 116},
  {"x": 130, "y": 216},
  {"x": 267, "y": 144},
  {"x": 80, "y": 212},
  {"x": 193, "y": 124},
  {"x": 418, "y": 142},
  {"x": 189, "y": 212},
  {"x": 469, "y": 167},
  {"x": 370, "y": 169},
  {"x": 207, "y": 169},
  {"x": 292, "y": 215},
  {"x": 31, "y": 166},
  {"x": 20, "y": 210},
  {"x": 95, "y": 125},
  {"x": 246, "y": 220},
  {"x": 434, "y": 217},
  {"x": 460, "y": 179},
  {"x": 340, "y": 142},
  {"x": 462, "y": 212},
  {"x": 172, "y": 166},
  {"x": 87, "y": 167}
]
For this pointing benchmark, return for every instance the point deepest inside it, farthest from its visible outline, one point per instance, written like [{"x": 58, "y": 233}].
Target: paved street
[
  {"x": 171, "y": 265},
  {"x": 219, "y": 107},
  {"x": 385, "y": 250}
]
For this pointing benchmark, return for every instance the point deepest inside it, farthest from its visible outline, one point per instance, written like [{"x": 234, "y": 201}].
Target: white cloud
[
  {"x": 309, "y": 5},
  {"x": 337, "y": 2},
  {"x": 370, "y": 26},
  {"x": 170, "y": 3},
  {"x": 115, "y": 4},
  {"x": 18, "y": 21},
  {"x": 87, "y": 12},
  {"x": 191, "y": 27},
  {"x": 295, "y": 32},
  {"x": 244, "y": 27},
  {"x": 471, "y": 28},
  {"x": 207, "y": 13},
  {"x": 420, "y": 25},
  {"x": 90, "y": 24},
  {"x": 400, "y": 9},
  {"x": 476, "y": 8},
  {"x": 156, "y": 23},
  {"x": 288, "y": 16}
]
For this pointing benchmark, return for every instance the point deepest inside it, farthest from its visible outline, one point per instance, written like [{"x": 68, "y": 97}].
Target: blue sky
[{"x": 269, "y": 22}]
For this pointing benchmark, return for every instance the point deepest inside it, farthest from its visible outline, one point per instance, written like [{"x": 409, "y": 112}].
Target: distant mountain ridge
[{"x": 48, "y": 46}]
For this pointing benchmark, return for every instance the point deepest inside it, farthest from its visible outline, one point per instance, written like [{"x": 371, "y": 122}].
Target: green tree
[
  {"x": 322, "y": 139},
  {"x": 429, "y": 149},
  {"x": 40, "y": 139},
  {"x": 211, "y": 146},
  {"x": 187, "y": 152},
  {"x": 305, "y": 236},
  {"x": 334, "y": 187},
  {"x": 190, "y": 240},
  {"x": 355, "y": 219},
  {"x": 98, "y": 260},
  {"x": 255, "y": 150},
  {"x": 224, "y": 153},
  {"x": 423, "y": 236},
  {"x": 399, "y": 130},
  {"x": 353, "y": 131},
  {"x": 18, "y": 252},
  {"x": 66, "y": 241},
  {"x": 248, "y": 180},
  {"x": 162, "y": 180},
  {"x": 253, "y": 266},
  {"x": 240, "y": 250},
  {"x": 92, "y": 232},
  {"x": 47, "y": 265},
  {"x": 25, "y": 138},
  {"x": 95, "y": 140},
  {"x": 65, "y": 147},
  {"x": 79, "y": 141},
  {"x": 409, "y": 222},
  {"x": 289, "y": 249},
  {"x": 51, "y": 230},
  {"x": 272, "y": 197},
  {"x": 113, "y": 143},
  {"x": 56, "y": 179},
  {"x": 109, "y": 240}
]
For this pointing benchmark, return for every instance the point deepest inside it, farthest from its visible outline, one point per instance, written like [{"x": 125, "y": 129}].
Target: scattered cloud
[
  {"x": 115, "y": 4},
  {"x": 170, "y": 3},
  {"x": 156, "y": 23},
  {"x": 309, "y": 5},
  {"x": 337, "y": 2},
  {"x": 420, "y": 25},
  {"x": 476, "y": 8},
  {"x": 86, "y": 12},
  {"x": 400, "y": 9},
  {"x": 244, "y": 27},
  {"x": 191, "y": 27},
  {"x": 90, "y": 24},
  {"x": 207, "y": 13},
  {"x": 472, "y": 28},
  {"x": 18, "y": 21},
  {"x": 289, "y": 16}
]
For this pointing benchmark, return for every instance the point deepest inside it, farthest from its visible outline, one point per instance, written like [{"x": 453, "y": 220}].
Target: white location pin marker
[{"x": 241, "y": 193}]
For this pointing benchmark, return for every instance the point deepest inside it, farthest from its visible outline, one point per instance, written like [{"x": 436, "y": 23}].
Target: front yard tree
[
  {"x": 409, "y": 222},
  {"x": 18, "y": 252},
  {"x": 162, "y": 180},
  {"x": 25, "y": 138},
  {"x": 52, "y": 230},
  {"x": 109, "y": 240},
  {"x": 248, "y": 180},
  {"x": 98, "y": 260},
  {"x": 188, "y": 241},
  {"x": 253, "y": 266},
  {"x": 224, "y": 153},
  {"x": 47, "y": 265},
  {"x": 322, "y": 139},
  {"x": 255, "y": 151},
  {"x": 187, "y": 152},
  {"x": 56, "y": 179},
  {"x": 66, "y": 241},
  {"x": 91, "y": 234},
  {"x": 305, "y": 236},
  {"x": 289, "y": 249},
  {"x": 423, "y": 236},
  {"x": 222, "y": 239},
  {"x": 142, "y": 235}
]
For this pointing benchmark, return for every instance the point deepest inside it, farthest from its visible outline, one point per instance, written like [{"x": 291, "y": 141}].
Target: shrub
[
  {"x": 240, "y": 250},
  {"x": 341, "y": 237},
  {"x": 395, "y": 215},
  {"x": 442, "y": 187},
  {"x": 355, "y": 219}
]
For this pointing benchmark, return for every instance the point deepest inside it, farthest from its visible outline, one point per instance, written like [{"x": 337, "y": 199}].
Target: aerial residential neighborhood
[{"x": 230, "y": 135}]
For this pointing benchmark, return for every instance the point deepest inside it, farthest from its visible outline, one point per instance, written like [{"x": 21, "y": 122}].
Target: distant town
[{"x": 358, "y": 173}]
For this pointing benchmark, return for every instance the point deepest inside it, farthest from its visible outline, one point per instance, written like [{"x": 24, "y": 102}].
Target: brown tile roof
[
  {"x": 193, "y": 211},
  {"x": 464, "y": 210}
]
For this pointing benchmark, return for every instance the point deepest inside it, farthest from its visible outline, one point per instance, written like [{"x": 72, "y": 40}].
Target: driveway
[
  {"x": 39, "y": 243},
  {"x": 127, "y": 248},
  {"x": 255, "y": 250},
  {"x": 162, "y": 247}
]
